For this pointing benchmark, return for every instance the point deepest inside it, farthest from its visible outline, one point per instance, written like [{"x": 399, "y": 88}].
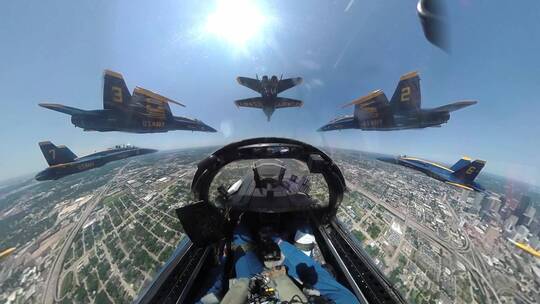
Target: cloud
[
  {"x": 227, "y": 128},
  {"x": 310, "y": 64},
  {"x": 314, "y": 83},
  {"x": 317, "y": 82}
]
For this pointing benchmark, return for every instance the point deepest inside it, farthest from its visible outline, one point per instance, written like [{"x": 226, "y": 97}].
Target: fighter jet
[
  {"x": 63, "y": 162},
  {"x": 526, "y": 247},
  {"x": 141, "y": 112},
  {"x": 374, "y": 112},
  {"x": 269, "y": 89},
  {"x": 272, "y": 196},
  {"x": 5, "y": 253},
  {"x": 461, "y": 174}
]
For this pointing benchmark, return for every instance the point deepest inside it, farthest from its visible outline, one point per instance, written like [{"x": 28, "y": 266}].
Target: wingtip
[
  {"x": 112, "y": 73},
  {"x": 49, "y": 105},
  {"x": 408, "y": 75},
  {"x": 362, "y": 99}
]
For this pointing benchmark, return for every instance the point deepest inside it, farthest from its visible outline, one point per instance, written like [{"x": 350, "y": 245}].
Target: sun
[{"x": 236, "y": 21}]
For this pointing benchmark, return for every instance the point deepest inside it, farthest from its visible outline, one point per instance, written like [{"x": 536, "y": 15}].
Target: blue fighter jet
[
  {"x": 141, "y": 112},
  {"x": 63, "y": 162},
  {"x": 461, "y": 174},
  {"x": 374, "y": 112}
]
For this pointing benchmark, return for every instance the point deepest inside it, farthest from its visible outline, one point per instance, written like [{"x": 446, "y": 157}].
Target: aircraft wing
[
  {"x": 151, "y": 104},
  {"x": 255, "y": 102},
  {"x": 287, "y": 103},
  {"x": 373, "y": 105},
  {"x": 251, "y": 83},
  {"x": 65, "y": 109},
  {"x": 285, "y": 84},
  {"x": 347, "y": 122},
  {"x": 455, "y": 106}
]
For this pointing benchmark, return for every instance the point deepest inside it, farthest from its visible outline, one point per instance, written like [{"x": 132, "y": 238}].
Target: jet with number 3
[
  {"x": 141, "y": 112},
  {"x": 269, "y": 88},
  {"x": 375, "y": 112}
]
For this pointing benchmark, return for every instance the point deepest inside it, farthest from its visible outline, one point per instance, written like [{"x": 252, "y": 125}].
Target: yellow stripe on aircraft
[
  {"x": 408, "y": 75},
  {"x": 460, "y": 186},
  {"x": 528, "y": 249},
  {"x": 4, "y": 254},
  {"x": 114, "y": 74},
  {"x": 364, "y": 98},
  {"x": 156, "y": 96}
]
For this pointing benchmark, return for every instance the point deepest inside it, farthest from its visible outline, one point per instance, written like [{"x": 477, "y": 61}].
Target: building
[
  {"x": 464, "y": 195},
  {"x": 527, "y": 216},
  {"x": 534, "y": 227},
  {"x": 477, "y": 203},
  {"x": 521, "y": 233},
  {"x": 490, "y": 204},
  {"x": 524, "y": 203},
  {"x": 510, "y": 223},
  {"x": 534, "y": 242},
  {"x": 491, "y": 235},
  {"x": 495, "y": 204}
]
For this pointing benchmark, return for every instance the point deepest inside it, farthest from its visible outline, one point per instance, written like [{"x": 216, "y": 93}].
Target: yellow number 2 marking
[
  {"x": 117, "y": 94},
  {"x": 406, "y": 94},
  {"x": 470, "y": 170}
]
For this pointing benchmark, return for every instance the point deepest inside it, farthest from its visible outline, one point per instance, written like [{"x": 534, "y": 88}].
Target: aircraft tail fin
[
  {"x": 56, "y": 154},
  {"x": 469, "y": 172},
  {"x": 115, "y": 92},
  {"x": 461, "y": 163},
  {"x": 407, "y": 96}
]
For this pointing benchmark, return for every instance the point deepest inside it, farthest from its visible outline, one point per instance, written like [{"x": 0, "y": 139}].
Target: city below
[{"x": 101, "y": 236}]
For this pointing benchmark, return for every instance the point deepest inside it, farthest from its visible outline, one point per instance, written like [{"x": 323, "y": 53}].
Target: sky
[{"x": 192, "y": 51}]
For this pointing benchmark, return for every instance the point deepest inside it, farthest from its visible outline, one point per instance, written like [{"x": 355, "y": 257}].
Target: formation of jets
[{"x": 144, "y": 111}]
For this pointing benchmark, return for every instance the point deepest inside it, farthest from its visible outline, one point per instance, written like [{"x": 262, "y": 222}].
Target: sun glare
[{"x": 236, "y": 21}]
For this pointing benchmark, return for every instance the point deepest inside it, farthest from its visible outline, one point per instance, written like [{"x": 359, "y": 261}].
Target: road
[
  {"x": 430, "y": 234},
  {"x": 51, "y": 287}
]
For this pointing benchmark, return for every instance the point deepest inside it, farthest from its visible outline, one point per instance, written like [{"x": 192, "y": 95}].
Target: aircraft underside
[{"x": 139, "y": 124}]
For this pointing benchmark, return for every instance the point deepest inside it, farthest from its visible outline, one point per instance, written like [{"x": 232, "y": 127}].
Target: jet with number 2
[
  {"x": 141, "y": 112},
  {"x": 375, "y": 112},
  {"x": 269, "y": 89}
]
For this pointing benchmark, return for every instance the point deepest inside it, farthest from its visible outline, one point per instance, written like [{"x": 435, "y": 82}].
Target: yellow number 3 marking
[
  {"x": 406, "y": 94},
  {"x": 117, "y": 94},
  {"x": 470, "y": 170}
]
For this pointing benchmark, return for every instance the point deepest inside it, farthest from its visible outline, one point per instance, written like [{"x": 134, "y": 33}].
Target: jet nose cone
[
  {"x": 207, "y": 128},
  {"x": 40, "y": 176},
  {"x": 323, "y": 128}
]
